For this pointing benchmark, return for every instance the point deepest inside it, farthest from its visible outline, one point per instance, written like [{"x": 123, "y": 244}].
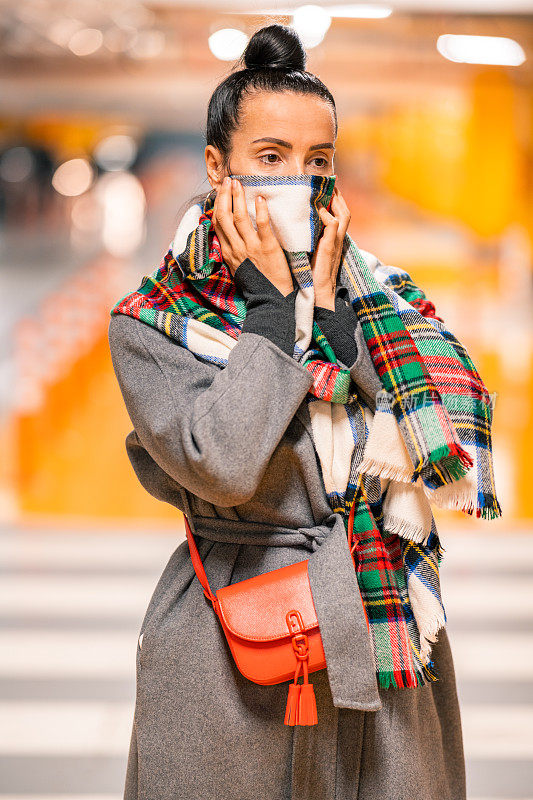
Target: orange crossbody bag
[{"x": 271, "y": 627}]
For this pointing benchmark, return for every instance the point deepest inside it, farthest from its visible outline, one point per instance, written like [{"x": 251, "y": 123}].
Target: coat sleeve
[{"x": 211, "y": 430}]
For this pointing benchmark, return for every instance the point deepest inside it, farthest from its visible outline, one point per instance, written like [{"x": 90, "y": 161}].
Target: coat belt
[{"x": 338, "y": 603}]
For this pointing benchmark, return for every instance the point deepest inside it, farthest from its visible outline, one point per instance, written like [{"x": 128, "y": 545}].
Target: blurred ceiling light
[
  {"x": 86, "y": 214},
  {"x": 86, "y": 41},
  {"x": 30, "y": 12},
  {"x": 311, "y": 23},
  {"x": 115, "y": 152},
  {"x": 117, "y": 40},
  {"x": 228, "y": 44},
  {"x": 73, "y": 177},
  {"x": 16, "y": 164},
  {"x": 44, "y": 47},
  {"x": 132, "y": 15},
  {"x": 123, "y": 204},
  {"x": 481, "y": 49},
  {"x": 147, "y": 44},
  {"x": 61, "y": 31},
  {"x": 360, "y": 11}
]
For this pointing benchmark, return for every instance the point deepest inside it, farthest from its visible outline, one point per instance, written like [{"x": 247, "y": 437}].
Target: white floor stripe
[
  {"x": 482, "y": 550},
  {"x": 479, "y": 597},
  {"x": 59, "y": 596},
  {"x": 27, "y": 549},
  {"x": 492, "y": 656},
  {"x": 87, "y": 596},
  {"x": 51, "y": 729},
  {"x": 90, "y": 729},
  {"x": 49, "y": 653},
  {"x": 54, "y": 654},
  {"x": 64, "y": 550},
  {"x": 498, "y": 731},
  {"x": 68, "y": 797},
  {"x": 41, "y": 548}
]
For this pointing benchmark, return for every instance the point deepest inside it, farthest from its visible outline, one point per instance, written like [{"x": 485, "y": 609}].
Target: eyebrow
[{"x": 288, "y": 145}]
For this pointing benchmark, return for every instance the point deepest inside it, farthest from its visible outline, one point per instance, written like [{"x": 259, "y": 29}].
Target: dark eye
[
  {"x": 324, "y": 162},
  {"x": 267, "y": 155}
]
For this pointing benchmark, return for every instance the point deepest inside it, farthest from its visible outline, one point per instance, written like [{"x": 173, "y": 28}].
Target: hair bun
[{"x": 275, "y": 47}]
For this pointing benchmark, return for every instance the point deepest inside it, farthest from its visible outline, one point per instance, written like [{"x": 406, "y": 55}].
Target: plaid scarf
[{"x": 429, "y": 438}]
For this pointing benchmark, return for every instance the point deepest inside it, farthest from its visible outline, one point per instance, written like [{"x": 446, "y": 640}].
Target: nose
[{"x": 295, "y": 165}]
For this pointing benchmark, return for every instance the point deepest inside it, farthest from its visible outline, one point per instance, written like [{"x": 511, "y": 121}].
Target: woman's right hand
[{"x": 239, "y": 239}]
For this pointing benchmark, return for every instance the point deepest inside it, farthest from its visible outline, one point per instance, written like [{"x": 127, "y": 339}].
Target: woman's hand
[
  {"x": 326, "y": 259},
  {"x": 239, "y": 239}
]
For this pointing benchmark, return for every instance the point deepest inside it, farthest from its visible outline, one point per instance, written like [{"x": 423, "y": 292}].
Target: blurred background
[{"x": 102, "y": 108}]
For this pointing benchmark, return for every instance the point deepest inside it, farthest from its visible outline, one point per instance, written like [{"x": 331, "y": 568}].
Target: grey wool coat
[{"x": 233, "y": 449}]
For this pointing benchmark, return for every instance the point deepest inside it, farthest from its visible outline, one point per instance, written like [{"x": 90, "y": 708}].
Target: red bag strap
[{"x": 195, "y": 555}]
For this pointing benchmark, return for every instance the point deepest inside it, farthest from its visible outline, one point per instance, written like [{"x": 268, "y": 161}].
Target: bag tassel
[
  {"x": 291, "y": 712},
  {"x": 307, "y": 713},
  {"x": 301, "y": 702}
]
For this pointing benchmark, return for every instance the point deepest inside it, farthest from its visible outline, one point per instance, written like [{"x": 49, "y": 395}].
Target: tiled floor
[{"x": 70, "y": 608}]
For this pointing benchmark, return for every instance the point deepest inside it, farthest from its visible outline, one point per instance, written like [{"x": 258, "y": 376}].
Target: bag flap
[{"x": 256, "y": 608}]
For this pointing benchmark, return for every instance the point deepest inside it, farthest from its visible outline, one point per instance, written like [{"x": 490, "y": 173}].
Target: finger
[
  {"x": 338, "y": 200},
  {"x": 223, "y": 239},
  {"x": 241, "y": 218},
  {"x": 342, "y": 230},
  {"x": 215, "y": 204},
  {"x": 223, "y": 199},
  {"x": 331, "y": 225},
  {"x": 339, "y": 207},
  {"x": 324, "y": 214},
  {"x": 342, "y": 212},
  {"x": 338, "y": 194},
  {"x": 262, "y": 217},
  {"x": 225, "y": 215}
]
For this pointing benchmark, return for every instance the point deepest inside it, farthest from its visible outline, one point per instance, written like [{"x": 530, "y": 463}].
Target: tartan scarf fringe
[
  {"x": 452, "y": 458},
  {"x": 406, "y": 529},
  {"x": 375, "y": 466},
  {"x": 466, "y": 501},
  {"x": 406, "y": 679}
]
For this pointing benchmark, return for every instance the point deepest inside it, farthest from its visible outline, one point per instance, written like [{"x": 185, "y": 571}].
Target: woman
[{"x": 227, "y": 437}]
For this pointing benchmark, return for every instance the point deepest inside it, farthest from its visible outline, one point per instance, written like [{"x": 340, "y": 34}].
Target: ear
[{"x": 214, "y": 166}]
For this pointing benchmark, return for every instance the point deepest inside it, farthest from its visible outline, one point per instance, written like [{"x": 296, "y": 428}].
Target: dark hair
[{"x": 274, "y": 60}]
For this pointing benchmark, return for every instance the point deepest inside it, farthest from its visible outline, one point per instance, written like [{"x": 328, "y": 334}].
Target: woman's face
[{"x": 280, "y": 133}]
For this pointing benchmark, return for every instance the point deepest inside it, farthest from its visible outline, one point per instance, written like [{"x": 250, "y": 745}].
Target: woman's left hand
[{"x": 326, "y": 259}]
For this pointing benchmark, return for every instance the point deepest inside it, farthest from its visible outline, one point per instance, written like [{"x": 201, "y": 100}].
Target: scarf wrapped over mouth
[{"x": 428, "y": 440}]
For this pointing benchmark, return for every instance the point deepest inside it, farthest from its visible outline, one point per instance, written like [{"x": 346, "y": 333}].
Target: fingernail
[
  {"x": 260, "y": 198},
  {"x": 227, "y": 181}
]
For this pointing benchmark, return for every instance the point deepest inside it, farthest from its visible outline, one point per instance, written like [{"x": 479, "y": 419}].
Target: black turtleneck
[
  {"x": 268, "y": 312},
  {"x": 272, "y": 314},
  {"x": 336, "y": 326}
]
